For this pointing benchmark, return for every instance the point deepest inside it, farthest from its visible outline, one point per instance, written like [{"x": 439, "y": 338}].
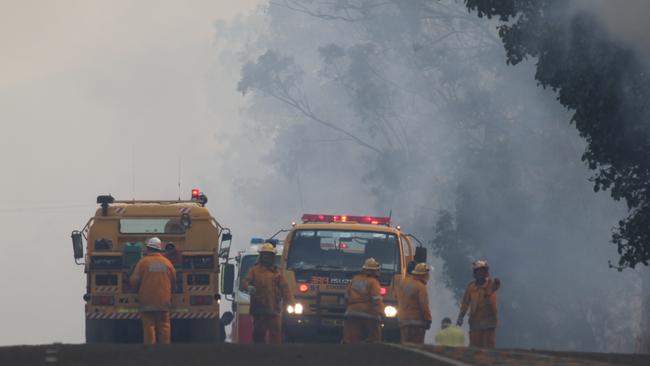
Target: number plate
[{"x": 332, "y": 322}]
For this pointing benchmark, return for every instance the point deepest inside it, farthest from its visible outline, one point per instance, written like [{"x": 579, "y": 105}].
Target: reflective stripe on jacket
[
  {"x": 481, "y": 301},
  {"x": 364, "y": 297},
  {"x": 155, "y": 277},
  {"x": 271, "y": 288},
  {"x": 413, "y": 303}
]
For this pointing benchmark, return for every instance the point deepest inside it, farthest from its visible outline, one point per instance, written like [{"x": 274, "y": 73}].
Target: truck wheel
[{"x": 100, "y": 331}]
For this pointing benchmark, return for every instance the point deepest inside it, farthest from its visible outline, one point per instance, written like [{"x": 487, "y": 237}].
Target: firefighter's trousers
[
  {"x": 356, "y": 330},
  {"x": 156, "y": 327},
  {"x": 264, "y": 324},
  {"x": 485, "y": 338},
  {"x": 412, "y": 334}
]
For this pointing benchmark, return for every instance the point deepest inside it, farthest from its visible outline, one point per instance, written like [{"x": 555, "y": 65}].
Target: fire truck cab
[
  {"x": 319, "y": 259},
  {"x": 194, "y": 242}
]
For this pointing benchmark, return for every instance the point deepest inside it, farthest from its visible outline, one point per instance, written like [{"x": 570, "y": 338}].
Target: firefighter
[
  {"x": 449, "y": 335},
  {"x": 269, "y": 292},
  {"x": 481, "y": 300},
  {"x": 155, "y": 277},
  {"x": 413, "y": 305},
  {"x": 364, "y": 306}
]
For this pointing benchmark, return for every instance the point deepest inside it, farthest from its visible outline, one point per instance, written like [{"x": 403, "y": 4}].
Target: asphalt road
[{"x": 293, "y": 354}]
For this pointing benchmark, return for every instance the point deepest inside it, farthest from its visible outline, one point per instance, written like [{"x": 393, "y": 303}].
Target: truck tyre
[{"x": 100, "y": 331}]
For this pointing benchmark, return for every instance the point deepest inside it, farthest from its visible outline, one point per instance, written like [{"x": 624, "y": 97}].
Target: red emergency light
[
  {"x": 373, "y": 220},
  {"x": 196, "y": 193}
]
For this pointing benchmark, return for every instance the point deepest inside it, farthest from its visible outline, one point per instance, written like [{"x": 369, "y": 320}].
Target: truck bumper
[{"x": 327, "y": 329}]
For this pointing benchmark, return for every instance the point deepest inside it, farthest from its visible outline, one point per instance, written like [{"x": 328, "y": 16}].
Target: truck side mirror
[
  {"x": 224, "y": 252},
  {"x": 420, "y": 255},
  {"x": 227, "y": 278},
  {"x": 186, "y": 221},
  {"x": 77, "y": 245}
]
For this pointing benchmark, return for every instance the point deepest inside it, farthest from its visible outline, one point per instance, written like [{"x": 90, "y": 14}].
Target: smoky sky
[
  {"x": 388, "y": 65},
  {"x": 110, "y": 98},
  {"x": 98, "y": 98}
]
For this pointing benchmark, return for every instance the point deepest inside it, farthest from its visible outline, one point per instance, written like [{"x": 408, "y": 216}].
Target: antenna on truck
[
  {"x": 133, "y": 171},
  {"x": 179, "y": 178}
]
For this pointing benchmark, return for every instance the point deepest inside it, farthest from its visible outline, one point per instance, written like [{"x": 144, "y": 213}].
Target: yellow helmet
[
  {"x": 371, "y": 265},
  {"x": 421, "y": 269},
  {"x": 267, "y": 248},
  {"x": 480, "y": 264}
]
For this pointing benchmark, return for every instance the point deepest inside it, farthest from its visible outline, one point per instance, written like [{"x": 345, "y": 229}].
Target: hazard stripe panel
[
  {"x": 198, "y": 288},
  {"x": 111, "y": 316}
]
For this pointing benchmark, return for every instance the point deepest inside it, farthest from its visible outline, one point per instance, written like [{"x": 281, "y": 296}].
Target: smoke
[
  {"x": 107, "y": 99},
  {"x": 409, "y": 108},
  {"x": 626, "y": 21}
]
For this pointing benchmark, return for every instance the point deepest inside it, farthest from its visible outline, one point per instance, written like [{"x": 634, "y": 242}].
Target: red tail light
[
  {"x": 303, "y": 287},
  {"x": 201, "y": 300},
  {"x": 383, "y": 291},
  {"x": 103, "y": 300}
]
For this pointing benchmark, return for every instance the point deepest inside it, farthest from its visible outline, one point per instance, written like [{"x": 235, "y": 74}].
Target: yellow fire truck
[
  {"x": 320, "y": 257},
  {"x": 115, "y": 238}
]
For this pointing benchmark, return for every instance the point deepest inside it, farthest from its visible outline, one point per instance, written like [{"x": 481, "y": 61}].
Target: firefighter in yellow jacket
[
  {"x": 413, "y": 305},
  {"x": 269, "y": 292},
  {"x": 154, "y": 276},
  {"x": 364, "y": 306},
  {"x": 480, "y": 300}
]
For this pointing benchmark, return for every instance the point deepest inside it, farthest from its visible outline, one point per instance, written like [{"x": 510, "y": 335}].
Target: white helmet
[
  {"x": 155, "y": 244},
  {"x": 421, "y": 269}
]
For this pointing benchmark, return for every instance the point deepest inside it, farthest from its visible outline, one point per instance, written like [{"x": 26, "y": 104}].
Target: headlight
[
  {"x": 295, "y": 309},
  {"x": 390, "y": 311}
]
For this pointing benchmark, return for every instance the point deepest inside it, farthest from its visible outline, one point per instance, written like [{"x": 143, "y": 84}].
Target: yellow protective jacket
[
  {"x": 364, "y": 298},
  {"x": 413, "y": 303},
  {"x": 481, "y": 301},
  {"x": 154, "y": 276},
  {"x": 271, "y": 289},
  {"x": 452, "y": 336}
]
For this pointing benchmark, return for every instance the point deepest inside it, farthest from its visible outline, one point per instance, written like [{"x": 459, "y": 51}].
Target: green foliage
[
  {"x": 605, "y": 85},
  {"x": 447, "y": 244}
]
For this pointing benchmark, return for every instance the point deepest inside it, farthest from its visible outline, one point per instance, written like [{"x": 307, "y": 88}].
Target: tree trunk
[{"x": 643, "y": 346}]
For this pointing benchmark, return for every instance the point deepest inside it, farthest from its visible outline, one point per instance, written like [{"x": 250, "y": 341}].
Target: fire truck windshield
[
  {"x": 342, "y": 250},
  {"x": 151, "y": 226}
]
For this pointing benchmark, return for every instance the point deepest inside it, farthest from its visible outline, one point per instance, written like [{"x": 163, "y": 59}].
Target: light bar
[{"x": 373, "y": 220}]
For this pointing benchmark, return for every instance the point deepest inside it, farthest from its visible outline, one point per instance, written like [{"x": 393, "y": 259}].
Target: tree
[{"x": 606, "y": 87}]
